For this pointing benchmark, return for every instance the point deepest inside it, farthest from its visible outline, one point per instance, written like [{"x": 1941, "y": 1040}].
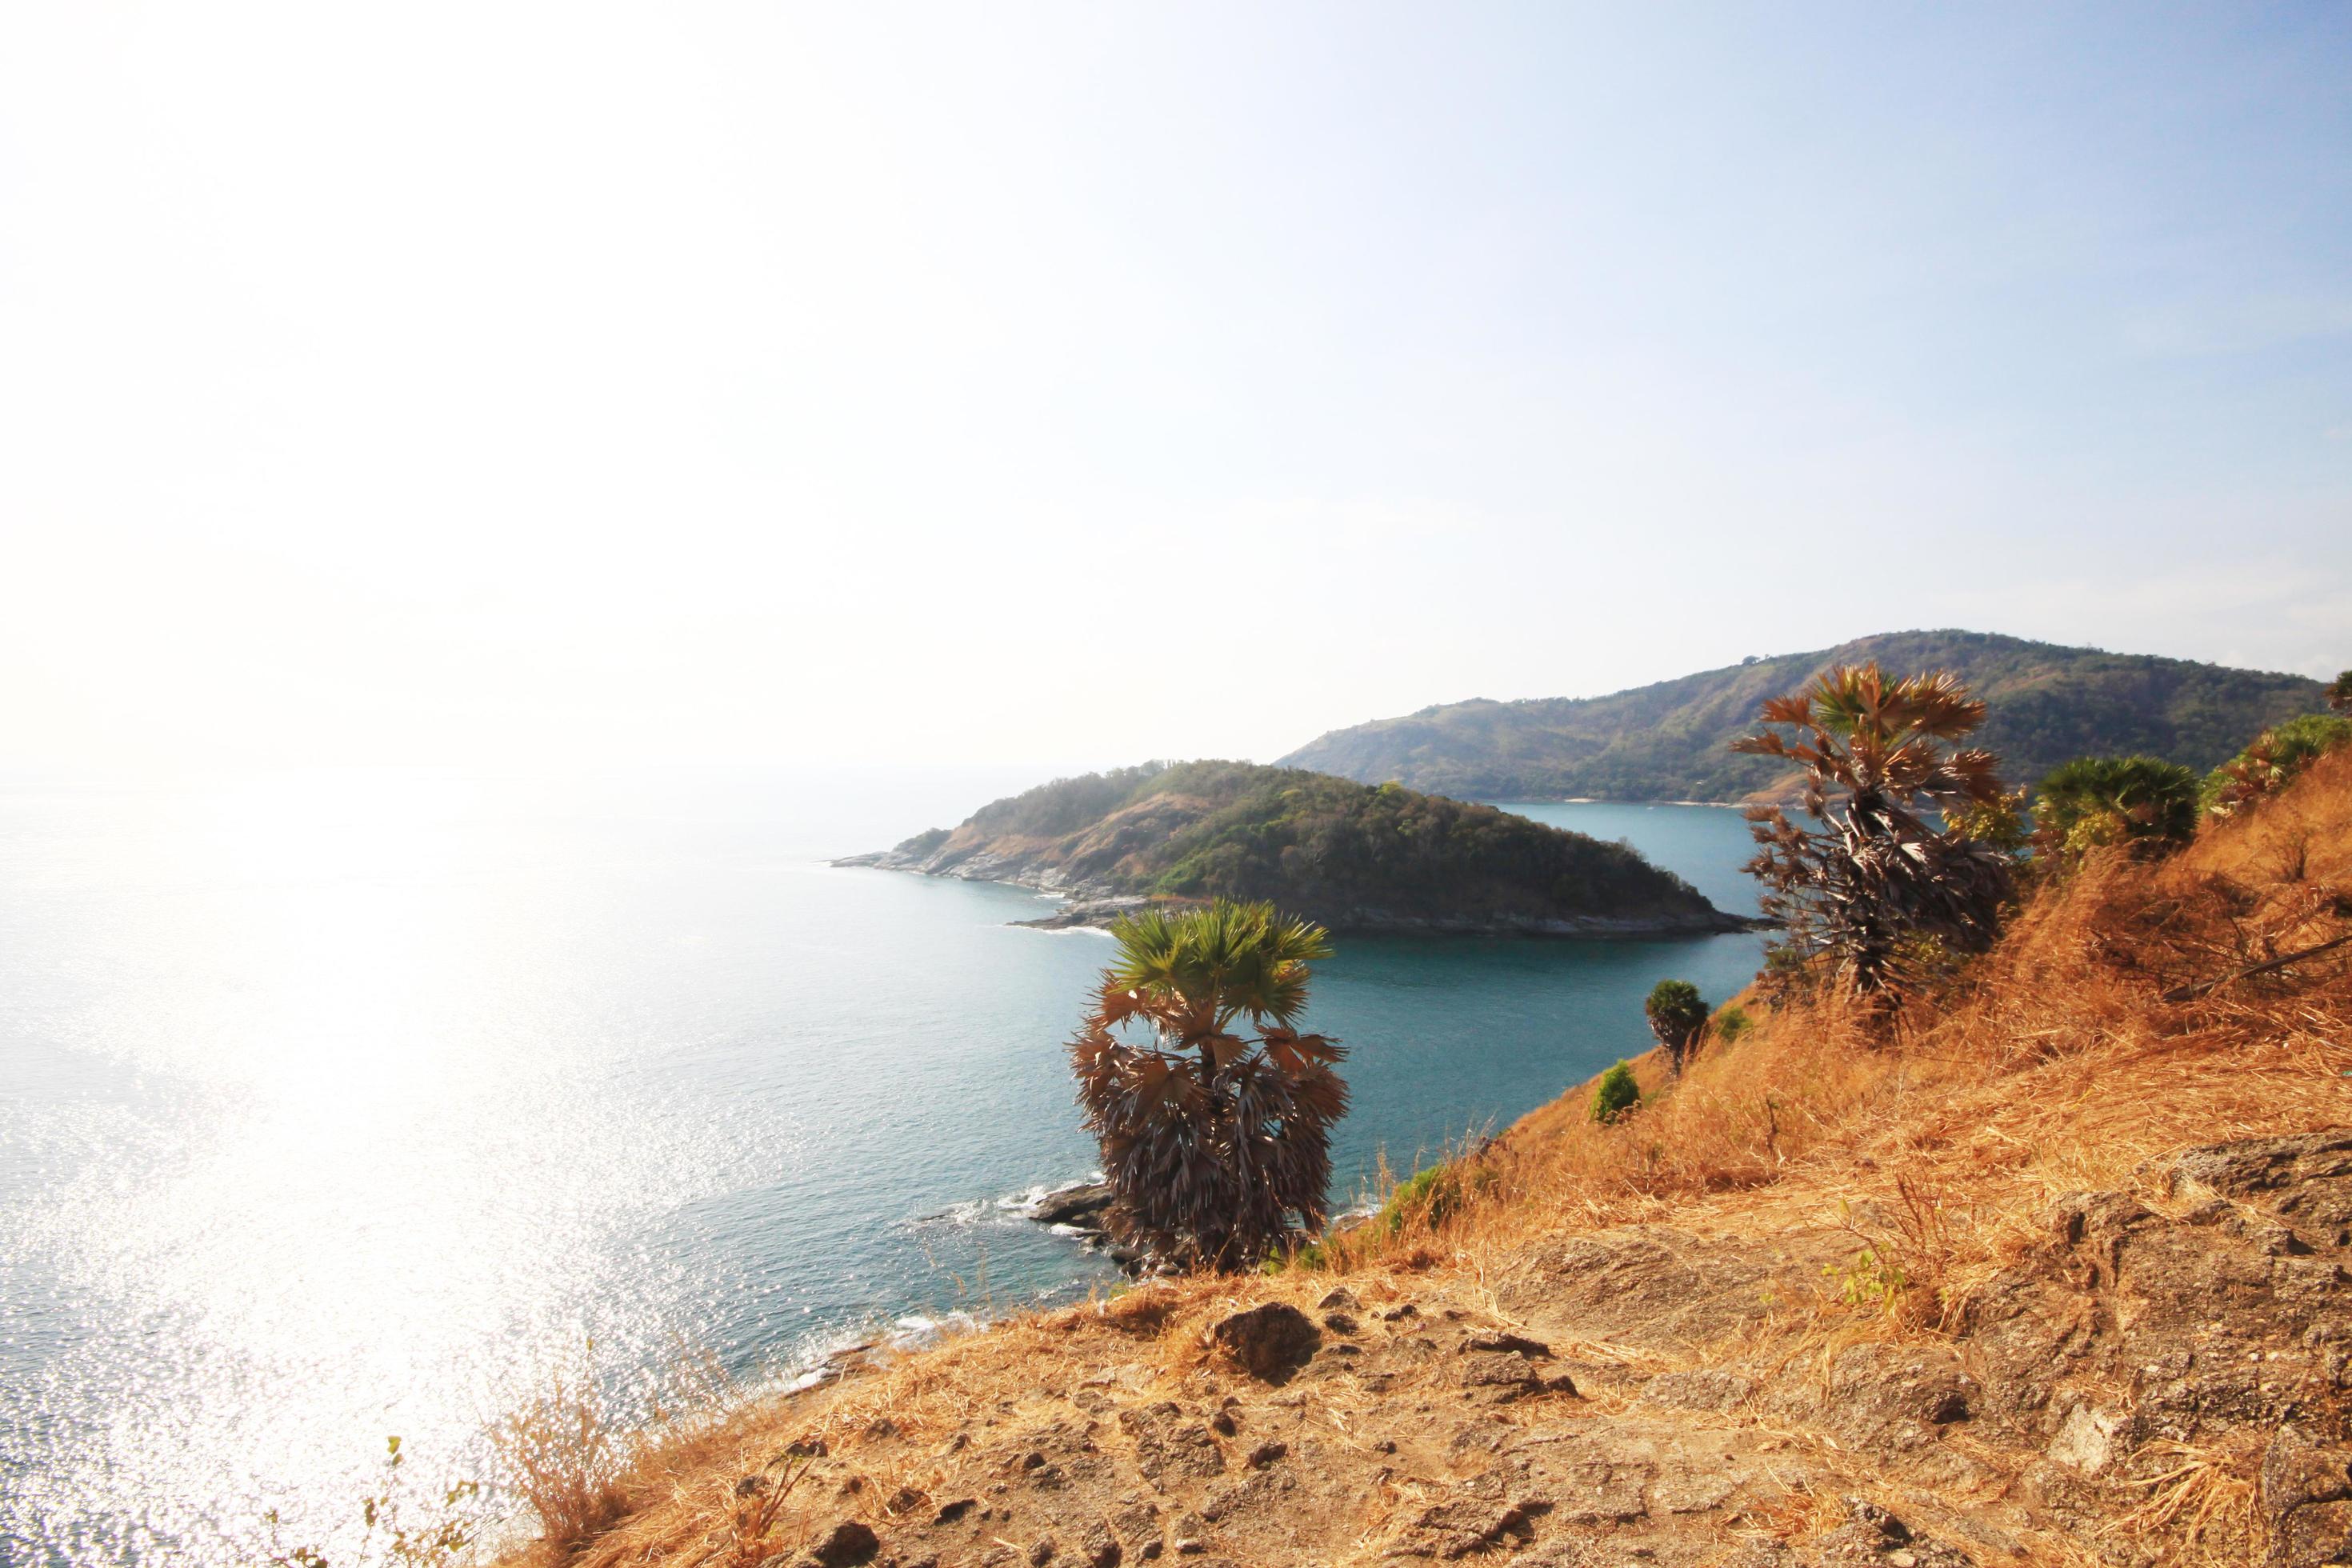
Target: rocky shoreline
[{"x": 1080, "y": 1210}]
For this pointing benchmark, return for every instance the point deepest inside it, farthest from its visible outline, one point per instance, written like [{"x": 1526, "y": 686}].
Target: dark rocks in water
[
  {"x": 1082, "y": 1209},
  {"x": 1099, "y": 913},
  {"x": 1081, "y": 1206},
  {"x": 1095, "y": 912}
]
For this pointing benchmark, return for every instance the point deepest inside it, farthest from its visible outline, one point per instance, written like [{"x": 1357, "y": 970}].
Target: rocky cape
[{"x": 1351, "y": 856}]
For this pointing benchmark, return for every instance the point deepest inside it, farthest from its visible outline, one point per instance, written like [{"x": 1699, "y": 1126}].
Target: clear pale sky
[{"x": 867, "y": 383}]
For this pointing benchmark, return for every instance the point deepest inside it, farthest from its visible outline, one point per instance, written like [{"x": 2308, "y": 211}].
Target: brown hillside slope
[{"x": 2060, "y": 1278}]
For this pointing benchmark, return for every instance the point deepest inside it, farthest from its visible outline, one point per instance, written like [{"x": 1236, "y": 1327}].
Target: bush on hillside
[
  {"x": 2276, "y": 755},
  {"x": 2339, "y": 693},
  {"x": 1427, "y": 1197},
  {"x": 2093, "y": 801},
  {"x": 1615, "y": 1094}
]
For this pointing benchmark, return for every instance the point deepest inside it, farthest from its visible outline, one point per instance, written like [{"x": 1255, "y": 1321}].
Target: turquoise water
[{"x": 339, "y": 1106}]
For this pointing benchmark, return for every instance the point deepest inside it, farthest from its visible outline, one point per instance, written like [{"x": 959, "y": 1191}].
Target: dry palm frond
[{"x": 1870, "y": 888}]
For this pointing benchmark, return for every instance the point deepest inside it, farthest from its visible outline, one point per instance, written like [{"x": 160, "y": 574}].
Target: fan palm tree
[
  {"x": 2111, "y": 800},
  {"x": 1871, "y": 879},
  {"x": 1676, "y": 1012},
  {"x": 1213, "y": 1109}
]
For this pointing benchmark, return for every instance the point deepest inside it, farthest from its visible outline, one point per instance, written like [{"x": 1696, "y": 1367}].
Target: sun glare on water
[{"x": 362, "y": 1144}]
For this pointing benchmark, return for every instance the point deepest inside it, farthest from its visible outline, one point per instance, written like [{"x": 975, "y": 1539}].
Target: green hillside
[{"x": 1668, "y": 742}]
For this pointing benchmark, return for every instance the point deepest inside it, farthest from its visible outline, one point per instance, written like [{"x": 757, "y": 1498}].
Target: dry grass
[
  {"x": 2050, "y": 1065},
  {"x": 557, "y": 1453}
]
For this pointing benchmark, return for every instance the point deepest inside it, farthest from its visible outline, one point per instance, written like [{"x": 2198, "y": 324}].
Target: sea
[{"x": 337, "y": 1107}]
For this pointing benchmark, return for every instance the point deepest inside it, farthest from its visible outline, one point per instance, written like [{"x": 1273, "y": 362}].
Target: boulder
[
  {"x": 1270, "y": 1342},
  {"x": 1080, "y": 1205}
]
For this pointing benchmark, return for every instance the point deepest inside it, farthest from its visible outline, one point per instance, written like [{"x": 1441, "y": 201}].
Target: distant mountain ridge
[
  {"x": 1350, "y": 855},
  {"x": 1670, "y": 741}
]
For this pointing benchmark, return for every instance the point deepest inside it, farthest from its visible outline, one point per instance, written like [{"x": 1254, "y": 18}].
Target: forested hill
[
  {"x": 1348, "y": 855},
  {"x": 1670, "y": 741}
]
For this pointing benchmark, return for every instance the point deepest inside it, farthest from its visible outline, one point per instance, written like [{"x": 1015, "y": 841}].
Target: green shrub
[
  {"x": 2276, "y": 755},
  {"x": 1615, "y": 1094},
  {"x": 1430, "y": 1196},
  {"x": 1732, "y": 1023},
  {"x": 2114, "y": 800},
  {"x": 1309, "y": 1257}
]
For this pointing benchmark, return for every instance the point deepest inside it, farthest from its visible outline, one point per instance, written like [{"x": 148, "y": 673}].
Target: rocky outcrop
[{"x": 2161, "y": 1378}]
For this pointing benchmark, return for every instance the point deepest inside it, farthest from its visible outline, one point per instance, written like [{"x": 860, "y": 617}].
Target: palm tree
[
  {"x": 1215, "y": 1141},
  {"x": 1871, "y": 881},
  {"x": 1676, "y": 1012},
  {"x": 2114, "y": 800}
]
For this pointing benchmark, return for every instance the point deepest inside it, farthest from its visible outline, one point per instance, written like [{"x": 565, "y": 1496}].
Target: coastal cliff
[
  {"x": 2058, "y": 1272},
  {"x": 1351, "y": 856}
]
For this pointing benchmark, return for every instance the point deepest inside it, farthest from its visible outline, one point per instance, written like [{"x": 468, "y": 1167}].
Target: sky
[{"x": 876, "y": 383}]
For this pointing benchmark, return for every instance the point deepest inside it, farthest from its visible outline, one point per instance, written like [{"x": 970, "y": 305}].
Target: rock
[
  {"x": 848, "y": 1543},
  {"x": 1074, "y": 1205},
  {"x": 2086, "y": 1441},
  {"x": 2304, "y": 1501},
  {"x": 1041, "y": 1551},
  {"x": 1270, "y": 1342},
  {"x": 950, "y": 1513},
  {"x": 1339, "y": 1298},
  {"x": 1877, "y": 1397},
  {"x": 1482, "y": 1514},
  {"x": 1088, "y": 912},
  {"x": 1265, "y": 1454},
  {"x": 1340, "y": 1322},
  {"x": 1709, "y": 1388},
  {"x": 1166, "y": 1445},
  {"x": 2263, "y": 1164},
  {"x": 1252, "y": 1497},
  {"x": 1099, "y": 1547},
  {"x": 1514, "y": 1344},
  {"x": 1500, "y": 1377}
]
